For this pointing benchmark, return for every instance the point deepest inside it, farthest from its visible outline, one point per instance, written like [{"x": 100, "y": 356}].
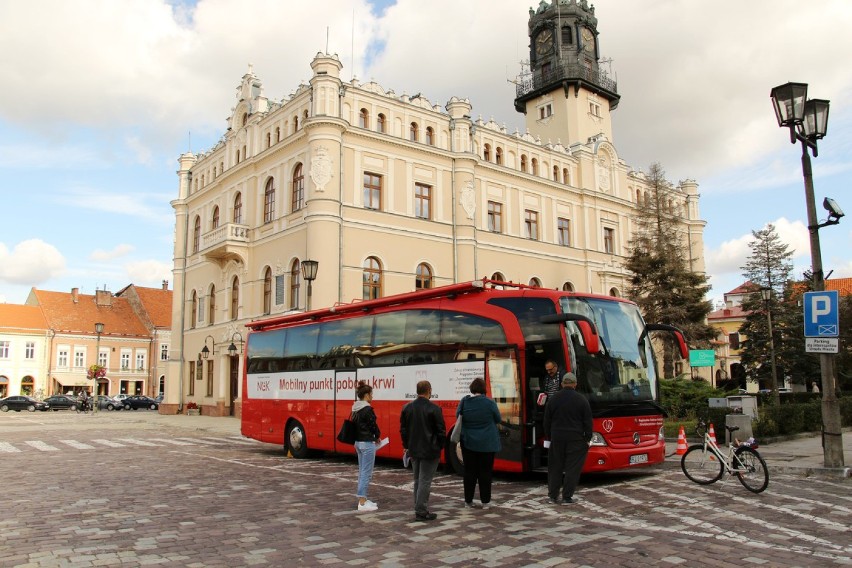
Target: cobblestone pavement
[{"x": 123, "y": 490}]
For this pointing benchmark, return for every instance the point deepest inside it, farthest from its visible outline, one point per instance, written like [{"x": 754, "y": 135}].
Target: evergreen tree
[{"x": 662, "y": 281}]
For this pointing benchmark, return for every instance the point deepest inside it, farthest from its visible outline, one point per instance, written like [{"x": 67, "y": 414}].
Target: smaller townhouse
[{"x": 23, "y": 351}]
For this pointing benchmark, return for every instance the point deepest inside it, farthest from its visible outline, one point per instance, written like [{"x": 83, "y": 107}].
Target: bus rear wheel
[
  {"x": 453, "y": 455},
  {"x": 296, "y": 440}
]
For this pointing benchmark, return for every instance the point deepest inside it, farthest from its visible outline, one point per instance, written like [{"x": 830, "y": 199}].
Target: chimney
[
  {"x": 103, "y": 298},
  {"x": 74, "y": 292},
  {"x": 726, "y": 313},
  {"x": 165, "y": 284}
]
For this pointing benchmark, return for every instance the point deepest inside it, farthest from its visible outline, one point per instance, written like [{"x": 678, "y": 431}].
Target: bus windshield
[{"x": 624, "y": 370}]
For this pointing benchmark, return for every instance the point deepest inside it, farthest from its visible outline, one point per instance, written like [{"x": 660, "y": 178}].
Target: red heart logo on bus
[{"x": 607, "y": 425}]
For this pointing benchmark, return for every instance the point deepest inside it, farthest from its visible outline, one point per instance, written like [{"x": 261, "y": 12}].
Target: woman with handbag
[
  {"x": 478, "y": 416},
  {"x": 367, "y": 436}
]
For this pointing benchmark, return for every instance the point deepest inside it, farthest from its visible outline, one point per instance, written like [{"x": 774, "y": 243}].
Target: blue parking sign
[{"x": 822, "y": 317}]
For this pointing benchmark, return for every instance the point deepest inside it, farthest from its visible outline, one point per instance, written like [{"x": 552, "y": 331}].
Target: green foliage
[{"x": 687, "y": 399}]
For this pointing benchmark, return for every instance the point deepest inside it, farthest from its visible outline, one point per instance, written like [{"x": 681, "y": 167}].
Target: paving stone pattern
[{"x": 183, "y": 498}]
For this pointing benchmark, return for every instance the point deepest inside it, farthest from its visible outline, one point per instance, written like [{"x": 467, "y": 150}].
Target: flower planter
[{"x": 193, "y": 412}]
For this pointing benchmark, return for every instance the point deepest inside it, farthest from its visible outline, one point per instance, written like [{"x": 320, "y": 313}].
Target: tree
[{"x": 662, "y": 281}]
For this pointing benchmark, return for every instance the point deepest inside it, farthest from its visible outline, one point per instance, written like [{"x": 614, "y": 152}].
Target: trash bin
[{"x": 743, "y": 405}]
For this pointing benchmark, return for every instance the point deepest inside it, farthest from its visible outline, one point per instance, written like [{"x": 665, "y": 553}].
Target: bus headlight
[{"x": 597, "y": 440}]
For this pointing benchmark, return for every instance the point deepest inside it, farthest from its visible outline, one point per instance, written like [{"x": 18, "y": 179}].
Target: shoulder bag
[
  {"x": 455, "y": 437},
  {"x": 348, "y": 432}
]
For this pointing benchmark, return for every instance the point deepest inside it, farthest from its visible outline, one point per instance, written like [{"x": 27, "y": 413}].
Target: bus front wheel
[
  {"x": 453, "y": 453},
  {"x": 296, "y": 440}
]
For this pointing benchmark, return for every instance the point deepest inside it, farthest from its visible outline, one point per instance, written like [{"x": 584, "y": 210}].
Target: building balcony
[
  {"x": 568, "y": 73},
  {"x": 227, "y": 242}
]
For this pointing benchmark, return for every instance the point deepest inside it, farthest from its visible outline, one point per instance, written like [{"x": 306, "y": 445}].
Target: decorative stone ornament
[
  {"x": 321, "y": 168},
  {"x": 468, "y": 202}
]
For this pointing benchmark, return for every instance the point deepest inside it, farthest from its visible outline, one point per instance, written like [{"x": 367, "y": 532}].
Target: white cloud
[
  {"x": 729, "y": 258},
  {"x": 148, "y": 272},
  {"x": 149, "y": 206},
  {"x": 107, "y": 255},
  {"x": 31, "y": 262}
]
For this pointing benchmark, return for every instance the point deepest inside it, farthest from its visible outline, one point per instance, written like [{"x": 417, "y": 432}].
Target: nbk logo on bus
[{"x": 822, "y": 318}]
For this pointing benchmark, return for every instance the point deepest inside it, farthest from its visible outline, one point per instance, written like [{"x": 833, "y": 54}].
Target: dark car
[
  {"x": 19, "y": 403},
  {"x": 62, "y": 402},
  {"x": 139, "y": 401}
]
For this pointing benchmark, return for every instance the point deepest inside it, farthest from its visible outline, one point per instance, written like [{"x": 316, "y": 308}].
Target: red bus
[{"x": 301, "y": 369}]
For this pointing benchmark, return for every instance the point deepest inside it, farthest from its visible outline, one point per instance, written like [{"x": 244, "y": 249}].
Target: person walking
[
  {"x": 480, "y": 441},
  {"x": 368, "y": 434},
  {"x": 424, "y": 434},
  {"x": 568, "y": 426}
]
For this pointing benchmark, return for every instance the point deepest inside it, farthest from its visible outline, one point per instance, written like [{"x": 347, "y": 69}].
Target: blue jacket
[{"x": 480, "y": 418}]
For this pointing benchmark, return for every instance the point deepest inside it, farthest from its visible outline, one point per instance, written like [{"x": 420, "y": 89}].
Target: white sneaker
[
  {"x": 367, "y": 506},
  {"x": 486, "y": 505}
]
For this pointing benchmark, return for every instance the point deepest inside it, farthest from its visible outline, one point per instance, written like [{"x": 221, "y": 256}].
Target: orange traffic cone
[
  {"x": 712, "y": 434},
  {"x": 681, "y": 442}
]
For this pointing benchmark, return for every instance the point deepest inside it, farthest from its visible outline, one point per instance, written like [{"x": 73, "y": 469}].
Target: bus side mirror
[
  {"x": 590, "y": 337},
  {"x": 681, "y": 343},
  {"x": 678, "y": 334}
]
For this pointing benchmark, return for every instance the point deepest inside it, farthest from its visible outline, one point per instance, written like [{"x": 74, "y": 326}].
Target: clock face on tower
[
  {"x": 588, "y": 40},
  {"x": 544, "y": 42}
]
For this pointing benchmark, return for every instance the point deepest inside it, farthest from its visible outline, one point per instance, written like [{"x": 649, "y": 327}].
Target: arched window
[
  {"x": 524, "y": 163},
  {"x": 305, "y": 116},
  {"x": 269, "y": 201},
  {"x": 613, "y": 292},
  {"x": 364, "y": 118},
  {"x": 555, "y": 173},
  {"x": 196, "y": 235},
  {"x": 497, "y": 276},
  {"x": 267, "y": 291},
  {"x": 412, "y": 132},
  {"x": 295, "y": 283},
  {"x": 27, "y": 386},
  {"x": 193, "y": 310},
  {"x": 298, "y": 187},
  {"x": 430, "y": 136},
  {"x": 235, "y": 297},
  {"x": 567, "y": 287},
  {"x": 381, "y": 123},
  {"x": 372, "y": 279},
  {"x": 238, "y": 208},
  {"x": 215, "y": 223},
  {"x": 486, "y": 153},
  {"x": 278, "y": 134},
  {"x": 268, "y": 141},
  {"x": 296, "y": 123},
  {"x": 534, "y": 167},
  {"x": 424, "y": 276},
  {"x": 211, "y": 306},
  {"x": 499, "y": 156},
  {"x": 535, "y": 282},
  {"x": 238, "y": 155},
  {"x": 565, "y": 176},
  {"x": 245, "y": 119}
]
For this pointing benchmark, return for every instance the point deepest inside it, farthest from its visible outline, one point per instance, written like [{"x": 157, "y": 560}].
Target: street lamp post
[
  {"x": 766, "y": 294},
  {"x": 309, "y": 273},
  {"x": 99, "y": 329},
  {"x": 232, "y": 349},
  {"x": 808, "y": 121}
]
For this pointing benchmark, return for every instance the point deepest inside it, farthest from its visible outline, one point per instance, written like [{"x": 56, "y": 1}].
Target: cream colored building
[{"x": 389, "y": 193}]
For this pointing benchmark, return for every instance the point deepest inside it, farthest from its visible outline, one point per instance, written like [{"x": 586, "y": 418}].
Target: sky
[{"x": 100, "y": 97}]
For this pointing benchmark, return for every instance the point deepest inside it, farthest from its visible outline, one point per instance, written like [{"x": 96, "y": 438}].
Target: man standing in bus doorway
[
  {"x": 551, "y": 379},
  {"x": 568, "y": 426},
  {"x": 424, "y": 434}
]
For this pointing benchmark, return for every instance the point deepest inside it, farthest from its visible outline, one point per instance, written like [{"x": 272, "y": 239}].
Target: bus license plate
[{"x": 639, "y": 458}]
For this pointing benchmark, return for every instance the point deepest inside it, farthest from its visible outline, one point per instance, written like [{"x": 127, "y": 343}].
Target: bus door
[
  {"x": 344, "y": 396},
  {"x": 504, "y": 384},
  {"x": 537, "y": 356}
]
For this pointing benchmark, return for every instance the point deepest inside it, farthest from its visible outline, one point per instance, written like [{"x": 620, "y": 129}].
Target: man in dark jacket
[
  {"x": 424, "y": 434},
  {"x": 568, "y": 426}
]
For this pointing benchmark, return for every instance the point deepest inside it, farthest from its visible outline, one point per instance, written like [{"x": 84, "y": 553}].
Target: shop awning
[{"x": 73, "y": 381}]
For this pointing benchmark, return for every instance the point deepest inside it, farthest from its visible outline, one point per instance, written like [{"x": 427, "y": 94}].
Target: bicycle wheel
[
  {"x": 700, "y": 466},
  {"x": 751, "y": 469}
]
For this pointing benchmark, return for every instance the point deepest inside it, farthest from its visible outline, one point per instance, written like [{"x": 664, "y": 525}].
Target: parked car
[
  {"x": 108, "y": 403},
  {"x": 139, "y": 401},
  {"x": 19, "y": 403},
  {"x": 120, "y": 397},
  {"x": 159, "y": 398},
  {"x": 62, "y": 402}
]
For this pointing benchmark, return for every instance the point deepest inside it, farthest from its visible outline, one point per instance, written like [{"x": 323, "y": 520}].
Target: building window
[
  {"x": 595, "y": 109},
  {"x": 423, "y": 201},
  {"x": 79, "y": 358},
  {"x": 524, "y": 163},
  {"x": 430, "y": 136},
  {"x": 268, "y": 141},
  {"x": 295, "y": 283},
  {"x": 269, "y": 201},
  {"x": 498, "y": 277},
  {"x": 424, "y": 277},
  {"x": 211, "y": 306},
  {"x": 29, "y": 349},
  {"x": 565, "y": 176},
  {"x": 609, "y": 240},
  {"x": 495, "y": 217},
  {"x": 196, "y": 235},
  {"x": 200, "y": 309},
  {"x": 563, "y": 231},
  {"x": 412, "y": 132},
  {"x": 555, "y": 173},
  {"x": 567, "y": 287},
  {"x": 27, "y": 386},
  {"x": 235, "y": 297},
  {"x": 140, "y": 361},
  {"x": 499, "y": 156},
  {"x": 278, "y": 134},
  {"x": 734, "y": 340},
  {"x": 103, "y": 358},
  {"x": 61, "y": 357},
  {"x": 279, "y": 289},
  {"x": 164, "y": 352},
  {"x": 298, "y": 187},
  {"x": 567, "y": 36},
  {"x": 238, "y": 209},
  {"x": 534, "y": 167},
  {"x": 296, "y": 123},
  {"x": 486, "y": 154},
  {"x": 364, "y": 118},
  {"x": 372, "y": 277},
  {"x": 215, "y": 223},
  {"x": 125, "y": 360},
  {"x": 372, "y": 191},
  {"x": 193, "y": 311},
  {"x": 535, "y": 282},
  {"x": 380, "y": 123},
  {"x": 4, "y": 349},
  {"x": 531, "y": 224},
  {"x": 191, "y": 389},
  {"x": 545, "y": 111},
  {"x": 614, "y": 292},
  {"x": 267, "y": 291},
  {"x": 209, "y": 378}
]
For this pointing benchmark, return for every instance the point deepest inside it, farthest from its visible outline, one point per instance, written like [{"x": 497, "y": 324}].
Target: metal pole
[
  {"x": 832, "y": 443},
  {"x": 310, "y": 281},
  {"x": 95, "y": 386},
  {"x": 776, "y": 397}
]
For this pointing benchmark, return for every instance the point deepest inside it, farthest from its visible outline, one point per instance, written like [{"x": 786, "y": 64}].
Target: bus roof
[{"x": 450, "y": 291}]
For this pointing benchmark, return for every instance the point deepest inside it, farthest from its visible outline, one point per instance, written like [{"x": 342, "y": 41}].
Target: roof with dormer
[
  {"x": 65, "y": 315},
  {"x": 732, "y": 313}
]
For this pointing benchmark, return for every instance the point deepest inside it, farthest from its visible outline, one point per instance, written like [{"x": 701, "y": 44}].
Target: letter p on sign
[{"x": 820, "y": 307}]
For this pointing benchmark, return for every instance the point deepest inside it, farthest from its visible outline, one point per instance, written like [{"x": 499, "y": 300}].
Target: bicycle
[
  {"x": 84, "y": 407},
  {"x": 706, "y": 463}
]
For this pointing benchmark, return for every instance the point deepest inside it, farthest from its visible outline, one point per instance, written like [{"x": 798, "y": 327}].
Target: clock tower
[{"x": 566, "y": 95}]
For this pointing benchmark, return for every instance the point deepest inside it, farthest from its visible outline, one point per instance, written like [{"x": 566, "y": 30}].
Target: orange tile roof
[
  {"x": 64, "y": 315},
  {"x": 744, "y": 288},
  {"x": 20, "y": 317},
  {"x": 728, "y": 313},
  {"x": 842, "y": 285},
  {"x": 158, "y": 303}
]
